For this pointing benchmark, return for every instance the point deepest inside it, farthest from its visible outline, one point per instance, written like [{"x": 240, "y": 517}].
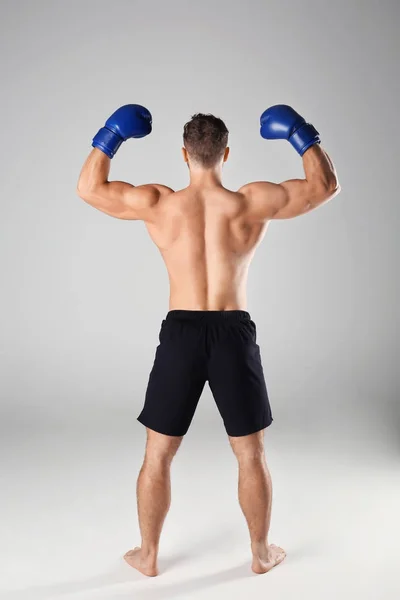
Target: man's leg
[
  {"x": 154, "y": 498},
  {"x": 255, "y": 498}
]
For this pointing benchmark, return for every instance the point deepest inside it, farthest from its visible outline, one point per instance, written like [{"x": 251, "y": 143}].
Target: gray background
[{"x": 82, "y": 294}]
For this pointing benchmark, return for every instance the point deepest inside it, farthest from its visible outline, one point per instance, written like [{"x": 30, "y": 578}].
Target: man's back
[{"x": 207, "y": 238}]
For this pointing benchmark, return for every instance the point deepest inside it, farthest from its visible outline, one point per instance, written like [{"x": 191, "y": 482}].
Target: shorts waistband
[{"x": 209, "y": 315}]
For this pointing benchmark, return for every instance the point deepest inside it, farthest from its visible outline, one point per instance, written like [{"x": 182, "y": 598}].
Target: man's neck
[{"x": 206, "y": 178}]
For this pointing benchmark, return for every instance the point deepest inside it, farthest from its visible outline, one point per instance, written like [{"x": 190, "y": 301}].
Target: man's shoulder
[
  {"x": 256, "y": 187},
  {"x": 170, "y": 194},
  {"x": 260, "y": 198},
  {"x": 163, "y": 190}
]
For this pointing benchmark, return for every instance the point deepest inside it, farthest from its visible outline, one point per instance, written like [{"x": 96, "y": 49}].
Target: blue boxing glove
[
  {"x": 281, "y": 122},
  {"x": 129, "y": 121}
]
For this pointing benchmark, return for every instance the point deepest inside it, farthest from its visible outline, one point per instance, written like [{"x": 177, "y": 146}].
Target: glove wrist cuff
[
  {"x": 304, "y": 137},
  {"x": 107, "y": 141}
]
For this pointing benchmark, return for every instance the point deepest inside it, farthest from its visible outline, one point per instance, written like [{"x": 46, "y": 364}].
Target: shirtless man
[{"x": 207, "y": 236}]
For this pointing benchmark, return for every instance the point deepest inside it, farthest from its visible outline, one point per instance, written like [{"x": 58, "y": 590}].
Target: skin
[{"x": 207, "y": 236}]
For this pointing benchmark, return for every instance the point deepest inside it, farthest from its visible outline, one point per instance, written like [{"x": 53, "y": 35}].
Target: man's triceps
[{"x": 126, "y": 201}]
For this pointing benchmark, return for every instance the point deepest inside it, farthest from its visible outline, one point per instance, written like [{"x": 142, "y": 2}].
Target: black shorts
[{"x": 215, "y": 346}]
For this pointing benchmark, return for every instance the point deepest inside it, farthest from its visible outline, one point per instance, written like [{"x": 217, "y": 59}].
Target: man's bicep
[
  {"x": 296, "y": 199},
  {"x": 125, "y": 201},
  {"x": 302, "y": 196}
]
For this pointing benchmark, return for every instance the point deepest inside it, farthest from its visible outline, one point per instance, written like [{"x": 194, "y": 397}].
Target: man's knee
[
  {"x": 161, "y": 449},
  {"x": 248, "y": 447}
]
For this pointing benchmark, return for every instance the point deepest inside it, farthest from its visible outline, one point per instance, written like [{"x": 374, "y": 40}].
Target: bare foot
[
  {"x": 145, "y": 566},
  {"x": 263, "y": 562}
]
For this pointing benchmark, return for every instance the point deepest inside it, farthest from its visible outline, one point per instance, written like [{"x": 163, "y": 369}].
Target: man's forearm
[
  {"x": 319, "y": 169},
  {"x": 94, "y": 172}
]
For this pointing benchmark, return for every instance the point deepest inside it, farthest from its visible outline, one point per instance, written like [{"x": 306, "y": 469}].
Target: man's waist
[{"x": 211, "y": 315}]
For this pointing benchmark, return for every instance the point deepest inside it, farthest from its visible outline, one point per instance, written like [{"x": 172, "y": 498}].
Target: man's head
[{"x": 205, "y": 140}]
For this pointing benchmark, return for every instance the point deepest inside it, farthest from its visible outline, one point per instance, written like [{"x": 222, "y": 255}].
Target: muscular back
[
  {"x": 207, "y": 234},
  {"x": 207, "y": 239}
]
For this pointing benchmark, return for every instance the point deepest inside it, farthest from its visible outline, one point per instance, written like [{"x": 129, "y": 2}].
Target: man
[{"x": 207, "y": 236}]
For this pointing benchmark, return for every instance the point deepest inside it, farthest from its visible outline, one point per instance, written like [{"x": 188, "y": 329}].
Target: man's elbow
[
  {"x": 326, "y": 191},
  {"x": 81, "y": 188},
  {"x": 333, "y": 187},
  {"x": 85, "y": 191},
  {"x": 80, "y": 192}
]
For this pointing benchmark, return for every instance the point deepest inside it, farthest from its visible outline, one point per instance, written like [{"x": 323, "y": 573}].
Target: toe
[{"x": 132, "y": 551}]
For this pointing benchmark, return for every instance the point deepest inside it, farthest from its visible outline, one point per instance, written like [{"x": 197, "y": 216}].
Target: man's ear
[
  {"x": 185, "y": 155},
  {"x": 226, "y": 153}
]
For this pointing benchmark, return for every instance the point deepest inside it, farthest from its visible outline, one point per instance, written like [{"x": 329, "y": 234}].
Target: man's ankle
[
  {"x": 149, "y": 552},
  {"x": 258, "y": 546}
]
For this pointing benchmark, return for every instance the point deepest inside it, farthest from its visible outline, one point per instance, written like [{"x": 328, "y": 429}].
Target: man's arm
[
  {"x": 117, "y": 198},
  {"x": 296, "y": 196}
]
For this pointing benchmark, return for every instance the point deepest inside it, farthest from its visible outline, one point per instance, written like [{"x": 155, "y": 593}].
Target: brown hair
[{"x": 205, "y": 138}]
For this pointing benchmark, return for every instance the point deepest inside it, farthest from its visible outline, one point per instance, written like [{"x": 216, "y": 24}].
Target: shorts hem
[
  {"x": 158, "y": 429},
  {"x": 252, "y": 430}
]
